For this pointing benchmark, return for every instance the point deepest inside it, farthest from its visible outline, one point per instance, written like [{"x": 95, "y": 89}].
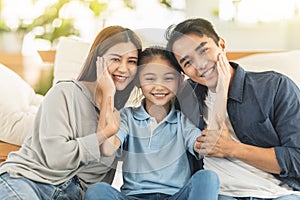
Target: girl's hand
[
  {"x": 224, "y": 74},
  {"x": 109, "y": 121},
  {"x": 105, "y": 84}
]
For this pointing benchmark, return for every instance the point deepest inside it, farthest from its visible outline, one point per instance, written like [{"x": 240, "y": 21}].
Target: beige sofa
[{"x": 19, "y": 103}]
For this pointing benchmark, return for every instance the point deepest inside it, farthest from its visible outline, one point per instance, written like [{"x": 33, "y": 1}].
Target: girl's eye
[
  {"x": 169, "y": 78},
  {"x": 149, "y": 79}
]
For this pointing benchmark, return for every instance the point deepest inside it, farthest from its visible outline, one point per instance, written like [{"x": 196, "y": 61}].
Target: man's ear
[{"x": 221, "y": 44}]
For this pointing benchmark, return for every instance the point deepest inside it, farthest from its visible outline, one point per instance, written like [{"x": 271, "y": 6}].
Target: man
[{"x": 257, "y": 154}]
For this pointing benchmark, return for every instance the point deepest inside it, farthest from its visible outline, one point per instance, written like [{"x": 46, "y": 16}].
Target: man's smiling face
[{"x": 198, "y": 56}]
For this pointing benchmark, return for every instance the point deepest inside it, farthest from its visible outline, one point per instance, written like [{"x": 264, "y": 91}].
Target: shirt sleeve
[
  {"x": 122, "y": 134},
  {"x": 58, "y": 136},
  {"x": 287, "y": 124},
  {"x": 190, "y": 134}
]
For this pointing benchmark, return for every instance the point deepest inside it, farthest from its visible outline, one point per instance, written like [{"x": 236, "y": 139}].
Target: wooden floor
[{"x": 5, "y": 148}]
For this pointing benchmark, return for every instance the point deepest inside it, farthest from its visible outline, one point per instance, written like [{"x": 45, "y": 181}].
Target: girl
[
  {"x": 62, "y": 157},
  {"x": 153, "y": 139}
]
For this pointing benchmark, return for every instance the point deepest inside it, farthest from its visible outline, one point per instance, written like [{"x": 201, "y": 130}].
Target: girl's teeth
[{"x": 159, "y": 95}]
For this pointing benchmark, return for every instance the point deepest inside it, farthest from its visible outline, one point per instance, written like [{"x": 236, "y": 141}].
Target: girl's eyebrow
[{"x": 149, "y": 73}]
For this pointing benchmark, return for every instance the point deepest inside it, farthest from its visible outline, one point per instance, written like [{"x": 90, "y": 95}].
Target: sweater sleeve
[{"x": 61, "y": 146}]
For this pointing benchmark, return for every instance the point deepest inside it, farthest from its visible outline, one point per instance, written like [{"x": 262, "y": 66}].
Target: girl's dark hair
[
  {"x": 153, "y": 52},
  {"x": 197, "y": 26}
]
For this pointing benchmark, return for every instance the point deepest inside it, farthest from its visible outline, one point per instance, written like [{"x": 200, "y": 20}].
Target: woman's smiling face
[{"x": 122, "y": 63}]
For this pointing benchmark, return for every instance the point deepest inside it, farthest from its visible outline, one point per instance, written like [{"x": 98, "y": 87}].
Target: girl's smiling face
[{"x": 159, "y": 82}]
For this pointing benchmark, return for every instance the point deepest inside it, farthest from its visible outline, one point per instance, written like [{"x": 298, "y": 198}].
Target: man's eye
[
  {"x": 187, "y": 63},
  {"x": 203, "y": 51}
]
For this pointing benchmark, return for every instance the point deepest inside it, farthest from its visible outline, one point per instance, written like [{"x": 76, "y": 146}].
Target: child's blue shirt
[{"x": 155, "y": 161}]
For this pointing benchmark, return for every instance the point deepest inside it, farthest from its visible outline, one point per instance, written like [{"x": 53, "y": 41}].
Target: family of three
[{"x": 224, "y": 133}]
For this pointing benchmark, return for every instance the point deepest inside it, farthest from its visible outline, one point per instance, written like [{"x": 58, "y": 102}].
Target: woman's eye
[
  {"x": 132, "y": 61},
  {"x": 115, "y": 59}
]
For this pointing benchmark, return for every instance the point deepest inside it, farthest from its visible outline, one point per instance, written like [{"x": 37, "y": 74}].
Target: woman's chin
[{"x": 120, "y": 87}]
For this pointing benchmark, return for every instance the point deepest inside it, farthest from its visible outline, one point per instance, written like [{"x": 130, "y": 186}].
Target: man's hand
[
  {"x": 215, "y": 143},
  {"x": 224, "y": 74}
]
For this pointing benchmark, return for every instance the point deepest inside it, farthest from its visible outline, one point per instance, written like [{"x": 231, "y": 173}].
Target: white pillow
[
  {"x": 287, "y": 63},
  {"x": 18, "y": 107},
  {"x": 69, "y": 59}
]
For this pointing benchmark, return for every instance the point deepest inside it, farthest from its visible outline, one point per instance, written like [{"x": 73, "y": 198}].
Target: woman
[{"x": 61, "y": 157}]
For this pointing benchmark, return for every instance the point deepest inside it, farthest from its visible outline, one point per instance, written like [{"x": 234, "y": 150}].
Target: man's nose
[{"x": 200, "y": 63}]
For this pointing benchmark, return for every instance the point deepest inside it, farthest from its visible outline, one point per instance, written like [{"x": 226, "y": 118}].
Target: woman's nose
[{"x": 122, "y": 67}]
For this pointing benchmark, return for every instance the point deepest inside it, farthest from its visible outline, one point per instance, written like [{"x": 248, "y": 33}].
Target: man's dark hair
[{"x": 197, "y": 26}]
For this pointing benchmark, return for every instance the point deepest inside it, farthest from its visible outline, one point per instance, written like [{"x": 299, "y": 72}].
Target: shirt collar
[
  {"x": 141, "y": 114},
  {"x": 237, "y": 85}
]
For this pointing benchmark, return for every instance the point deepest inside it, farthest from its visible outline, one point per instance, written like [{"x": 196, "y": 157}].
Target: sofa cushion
[
  {"x": 69, "y": 59},
  {"x": 18, "y": 106},
  {"x": 287, "y": 63}
]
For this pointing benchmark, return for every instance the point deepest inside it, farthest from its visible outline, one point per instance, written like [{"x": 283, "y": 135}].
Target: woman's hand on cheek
[{"x": 105, "y": 84}]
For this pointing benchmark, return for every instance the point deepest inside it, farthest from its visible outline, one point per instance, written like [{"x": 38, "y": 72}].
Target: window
[{"x": 258, "y": 10}]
